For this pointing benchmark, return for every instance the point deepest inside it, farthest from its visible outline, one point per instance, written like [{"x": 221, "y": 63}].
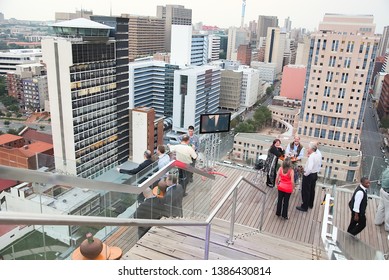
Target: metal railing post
[
  {"x": 230, "y": 241},
  {"x": 263, "y": 211},
  {"x": 207, "y": 241}
]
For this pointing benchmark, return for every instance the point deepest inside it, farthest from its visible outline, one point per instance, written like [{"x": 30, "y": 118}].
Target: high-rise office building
[
  {"x": 196, "y": 92},
  {"x": 275, "y": 47},
  {"x": 119, "y": 32},
  {"x": 244, "y": 54},
  {"x": 230, "y": 88},
  {"x": 340, "y": 65},
  {"x": 384, "y": 42},
  {"x": 151, "y": 85},
  {"x": 146, "y": 36},
  {"x": 87, "y": 83},
  {"x": 383, "y": 104},
  {"x": 288, "y": 24},
  {"x": 264, "y": 22},
  {"x": 213, "y": 47},
  {"x": 236, "y": 37},
  {"x": 173, "y": 14},
  {"x": 250, "y": 86},
  {"x": 293, "y": 80}
]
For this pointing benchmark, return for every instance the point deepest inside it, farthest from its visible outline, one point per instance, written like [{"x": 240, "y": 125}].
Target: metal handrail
[
  {"x": 25, "y": 218},
  {"x": 234, "y": 190},
  {"x": 28, "y": 175},
  {"x": 52, "y": 219}
]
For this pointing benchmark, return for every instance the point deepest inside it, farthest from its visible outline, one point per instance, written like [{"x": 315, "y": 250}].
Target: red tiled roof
[
  {"x": 5, "y": 184},
  {"x": 7, "y": 138},
  {"x": 32, "y": 135},
  {"x": 34, "y": 148}
]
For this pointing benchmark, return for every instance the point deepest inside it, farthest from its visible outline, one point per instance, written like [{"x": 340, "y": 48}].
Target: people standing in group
[
  {"x": 186, "y": 154},
  {"x": 194, "y": 141},
  {"x": 358, "y": 204},
  {"x": 270, "y": 166},
  {"x": 295, "y": 150},
  {"x": 311, "y": 168},
  {"x": 382, "y": 214},
  {"x": 285, "y": 186}
]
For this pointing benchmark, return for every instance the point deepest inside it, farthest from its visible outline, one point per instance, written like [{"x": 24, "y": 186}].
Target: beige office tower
[
  {"x": 340, "y": 66},
  {"x": 264, "y": 22},
  {"x": 173, "y": 14},
  {"x": 146, "y": 36}
]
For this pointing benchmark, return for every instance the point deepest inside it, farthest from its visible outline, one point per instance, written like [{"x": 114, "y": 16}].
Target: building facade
[
  {"x": 173, "y": 14},
  {"x": 339, "y": 70},
  {"x": 196, "y": 92},
  {"x": 230, "y": 87},
  {"x": 86, "y": 102},
  {"x": 146, "y": 36},
  {"x": 264, "y": 22},
  {"x": 293, "y": 81},
  {"x": 11, "y": 58}
]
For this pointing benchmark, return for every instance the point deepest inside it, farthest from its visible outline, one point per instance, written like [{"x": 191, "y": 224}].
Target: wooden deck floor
[{"x": 301, "y": 228}]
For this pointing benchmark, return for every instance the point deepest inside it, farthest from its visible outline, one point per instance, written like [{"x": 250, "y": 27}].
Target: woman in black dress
[{"x": 270, "y": 166}]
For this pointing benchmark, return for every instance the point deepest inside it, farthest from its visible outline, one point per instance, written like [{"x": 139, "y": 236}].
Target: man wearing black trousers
[
  {"x": 309, "y": 179},
  {"x": 358, "y": 204}
]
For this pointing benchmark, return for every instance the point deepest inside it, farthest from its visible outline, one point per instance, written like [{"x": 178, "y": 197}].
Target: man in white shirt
[
  {"x": 163, "y": 158},
  {"x": 186, "y": 154},
  {"x": 309, "y": 178},
  {"x": 357, "y": 205}
]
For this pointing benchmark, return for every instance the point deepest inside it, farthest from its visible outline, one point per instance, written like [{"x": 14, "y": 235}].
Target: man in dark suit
[
  {"x": 151, "y": 207},
  {"x": 147, "y": 156},
  {"x": 173, "y": 197}
]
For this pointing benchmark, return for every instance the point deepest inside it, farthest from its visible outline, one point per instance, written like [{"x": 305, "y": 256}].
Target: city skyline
[{"x": 283, "y": 9}]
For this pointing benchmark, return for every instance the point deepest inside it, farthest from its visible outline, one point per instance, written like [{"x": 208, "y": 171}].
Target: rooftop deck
[{"x": 296, "y": 238}]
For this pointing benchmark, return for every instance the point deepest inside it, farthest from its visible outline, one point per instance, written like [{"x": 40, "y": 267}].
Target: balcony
[{"x": 227, "y": 214}]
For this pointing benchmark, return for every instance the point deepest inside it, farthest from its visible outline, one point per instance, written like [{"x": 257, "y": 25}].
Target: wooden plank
[{"x": 301, "y": 227}]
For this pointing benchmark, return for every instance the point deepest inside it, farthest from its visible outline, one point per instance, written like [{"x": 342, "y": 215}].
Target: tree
[
  {"x": 385, "y": 122},
  {"x": 261, "y": 116},
  {"x": 270, "y": 90},
  {"x": 12, "y": 131},
  {"x": 42, "y": 127},
  {"x": 234, "y": 123},
  {"x": 245, "y": 127},
  {"x": 2, "y": 86},
  {"x": 7, "y": 123}
]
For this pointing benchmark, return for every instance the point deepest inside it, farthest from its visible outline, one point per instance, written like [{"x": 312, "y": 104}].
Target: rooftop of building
[
  {"x": 81, "y": 23},
  {"x": 35, "y": 148},
  {"x": 7, "y": 138},
  {"x": 34, "y": 135}
]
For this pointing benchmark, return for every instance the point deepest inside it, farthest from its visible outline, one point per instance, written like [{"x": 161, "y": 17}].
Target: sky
[{"x": 222, "y": 13}]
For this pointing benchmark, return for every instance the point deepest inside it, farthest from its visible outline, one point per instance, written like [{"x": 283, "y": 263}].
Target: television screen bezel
[{"x": 215, "y": 131}]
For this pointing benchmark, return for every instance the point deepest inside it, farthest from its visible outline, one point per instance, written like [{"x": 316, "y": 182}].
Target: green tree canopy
[{"x": 385, "y": 122}]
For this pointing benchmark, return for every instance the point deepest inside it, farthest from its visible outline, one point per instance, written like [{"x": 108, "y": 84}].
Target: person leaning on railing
[{"x": 147, "y": 161}]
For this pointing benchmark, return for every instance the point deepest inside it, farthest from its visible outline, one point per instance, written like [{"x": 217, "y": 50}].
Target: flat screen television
[{"x": 215, "y": 123}]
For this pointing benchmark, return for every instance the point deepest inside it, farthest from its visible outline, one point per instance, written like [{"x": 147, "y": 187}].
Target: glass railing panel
[
  {"x": 54, "y": 191},
  {"x": 353, "y": 248}
]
